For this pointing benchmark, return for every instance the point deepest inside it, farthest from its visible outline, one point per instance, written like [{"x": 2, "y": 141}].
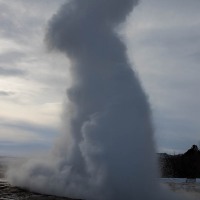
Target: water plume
[{"x": 107, "y": 150}]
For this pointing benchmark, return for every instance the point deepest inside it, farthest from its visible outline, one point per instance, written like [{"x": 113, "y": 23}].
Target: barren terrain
[{"x": 8, "y": 192}]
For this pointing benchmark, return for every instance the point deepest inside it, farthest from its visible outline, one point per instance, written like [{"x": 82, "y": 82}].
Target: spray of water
[{"x": 107, "y": 151}]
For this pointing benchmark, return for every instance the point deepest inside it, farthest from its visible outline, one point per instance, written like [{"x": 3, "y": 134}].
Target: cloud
[
  {"x": 36, "y": 130},
  {"x": 23, "y": 52},
  {"x": 20, "y": 149},
  {"x": 31, "y": 87},
  {"x": 11, "y": 72},
  {"x": 6, "y": 93},
  {"x": 20, "y": 136},
  {"x": 11, "y": 57},
  {"x": 24, "y": 18},
  {"x": 163, "y": 42},
  {"x": 163, "y": 39},
  {"x": 23, "y": 137}
]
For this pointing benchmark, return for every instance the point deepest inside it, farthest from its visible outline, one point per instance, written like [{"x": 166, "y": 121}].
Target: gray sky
[{"x": 163, "y": 40}]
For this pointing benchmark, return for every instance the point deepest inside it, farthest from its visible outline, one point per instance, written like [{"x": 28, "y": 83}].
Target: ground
[{"x": 8, "y": 192}]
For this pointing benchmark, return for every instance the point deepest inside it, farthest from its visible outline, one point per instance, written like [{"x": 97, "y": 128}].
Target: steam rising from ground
[{"x": 107, "y": 149}]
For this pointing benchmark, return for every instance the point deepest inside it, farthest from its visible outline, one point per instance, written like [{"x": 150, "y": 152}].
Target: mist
[{"x": 106, "y": 150}]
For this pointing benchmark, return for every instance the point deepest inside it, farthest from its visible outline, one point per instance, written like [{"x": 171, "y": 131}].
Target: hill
[{"x": 185, "y": 165}]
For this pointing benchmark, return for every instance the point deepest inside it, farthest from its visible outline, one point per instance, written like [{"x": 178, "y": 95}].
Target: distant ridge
[{"x": 185, "y": 165}]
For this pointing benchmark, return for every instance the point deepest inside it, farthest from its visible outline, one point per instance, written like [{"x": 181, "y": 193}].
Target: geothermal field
[
  {"x": 9, "y": 192},
  {"x": 106, "y": 150}
]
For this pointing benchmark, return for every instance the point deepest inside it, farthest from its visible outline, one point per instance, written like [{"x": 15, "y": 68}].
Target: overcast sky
[{"x": 163, "y": 41}]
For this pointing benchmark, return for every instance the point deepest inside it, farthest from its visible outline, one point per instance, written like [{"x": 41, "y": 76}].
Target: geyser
[{"x": 107, "y": 151}]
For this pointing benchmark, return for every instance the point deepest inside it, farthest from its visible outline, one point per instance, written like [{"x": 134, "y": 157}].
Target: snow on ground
[
  {"x": 177, "y": 185},
  {"x": 176, "y": 180}
]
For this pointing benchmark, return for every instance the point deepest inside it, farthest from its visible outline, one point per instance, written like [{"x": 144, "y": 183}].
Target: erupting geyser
[{"x": 107, "y": 151}]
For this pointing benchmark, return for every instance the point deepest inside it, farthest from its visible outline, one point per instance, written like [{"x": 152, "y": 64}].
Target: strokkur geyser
[{"x": 107, "y": 151}]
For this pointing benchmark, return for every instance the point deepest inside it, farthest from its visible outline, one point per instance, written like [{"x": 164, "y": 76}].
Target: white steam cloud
[{"x": 107, "y": 151}]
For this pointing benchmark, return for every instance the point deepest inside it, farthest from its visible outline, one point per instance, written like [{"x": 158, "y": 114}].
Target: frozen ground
[
  {"x": 179, "y": 185},
  {"x": 176, "y": 180},
  {"x": 8, "y": 192}
]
